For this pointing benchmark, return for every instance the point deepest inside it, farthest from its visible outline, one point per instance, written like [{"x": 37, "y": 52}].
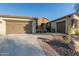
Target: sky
[{"x": 51, "y": 11}]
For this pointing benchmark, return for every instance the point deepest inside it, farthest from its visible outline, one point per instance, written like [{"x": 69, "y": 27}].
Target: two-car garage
[{"x": 17, "y": 25}]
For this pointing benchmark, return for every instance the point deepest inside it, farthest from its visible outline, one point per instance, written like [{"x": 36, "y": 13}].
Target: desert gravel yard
[
  {"x": 20, "y": 45},
  {"x": 54, "y": 45}
]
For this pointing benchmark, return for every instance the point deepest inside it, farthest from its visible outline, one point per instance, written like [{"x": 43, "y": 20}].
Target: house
[
  {"x": 41, "y": 24},
  {"x": 17, "y": 24},
  {"x": 62, "y": 24},
  {"x": 42, "y": 20}
]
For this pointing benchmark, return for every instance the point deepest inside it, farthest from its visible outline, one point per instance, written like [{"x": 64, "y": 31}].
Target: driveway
[{"x": 20, "y": 45}]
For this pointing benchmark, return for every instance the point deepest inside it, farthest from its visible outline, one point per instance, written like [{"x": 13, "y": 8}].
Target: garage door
[
  {"x": 61, "y": 27},
  {"x": 18, "y": 27}
]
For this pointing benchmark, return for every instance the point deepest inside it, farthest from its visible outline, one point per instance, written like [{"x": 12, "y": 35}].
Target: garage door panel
[
  {"x": 61, "y": 27},
  {"x": 18, "y": 27}
]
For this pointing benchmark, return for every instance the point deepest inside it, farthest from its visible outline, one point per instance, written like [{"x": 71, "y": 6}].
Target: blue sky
[{"x": 50, "y": 11}]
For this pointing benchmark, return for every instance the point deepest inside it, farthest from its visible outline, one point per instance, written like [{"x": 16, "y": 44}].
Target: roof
[
  {"x": 23, "y": 17},
  {"x": 69, "y": 15},
  {"x": 44, "y": 18}
]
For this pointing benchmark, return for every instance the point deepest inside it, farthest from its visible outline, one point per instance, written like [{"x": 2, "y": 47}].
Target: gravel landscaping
[{"x": 55, "y": 46}]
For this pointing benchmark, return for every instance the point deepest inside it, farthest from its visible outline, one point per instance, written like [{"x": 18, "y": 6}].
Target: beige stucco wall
[
  {"x": 18, "y": 19},
  {"x": 68, "y": 23},
  {"x": 53, "y": 26},
  {"x": 76, "y": 18},
  {"x": 2, "y": 27},
  {"x": 34, "y": 26}
]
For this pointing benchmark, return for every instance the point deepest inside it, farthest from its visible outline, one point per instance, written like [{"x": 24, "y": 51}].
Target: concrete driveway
[{"x": 20, "y": 45}]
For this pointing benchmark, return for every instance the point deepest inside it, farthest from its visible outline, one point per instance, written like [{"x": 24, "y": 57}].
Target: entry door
[{"x": 61, "y": 27}]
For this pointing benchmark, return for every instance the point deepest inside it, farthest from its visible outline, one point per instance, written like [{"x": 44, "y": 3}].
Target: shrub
[
  {"x": 68, "y": 36},
  {"x": 69, "y": 31}
]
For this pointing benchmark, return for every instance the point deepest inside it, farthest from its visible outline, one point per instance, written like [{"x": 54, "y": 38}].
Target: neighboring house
[
  {"x": 17, "y": 24},
  {"x": 41, "y": 24},
  {"x": 62, "y": 24},
  {"x": 42, "y": 20}
]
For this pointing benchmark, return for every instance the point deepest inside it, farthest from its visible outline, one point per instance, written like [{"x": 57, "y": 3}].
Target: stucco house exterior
[
  {"x": 41, "y": 24},
  {"x": 42, "y": 20},
  {"x": 61, "y": 25},
  {"x": 17, "y": 24}
]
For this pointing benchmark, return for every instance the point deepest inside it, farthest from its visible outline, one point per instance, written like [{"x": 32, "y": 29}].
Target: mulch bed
[{"x": 56, "y": 47}]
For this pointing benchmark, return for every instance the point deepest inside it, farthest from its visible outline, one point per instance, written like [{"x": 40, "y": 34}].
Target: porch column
[
  {"x": 78, "y": 23},
  {"x": 68, "y": 23},
  {"x": 33, "y": 26}
]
